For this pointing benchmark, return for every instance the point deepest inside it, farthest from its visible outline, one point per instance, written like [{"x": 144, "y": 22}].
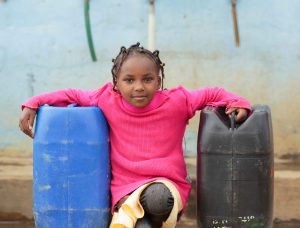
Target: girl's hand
[
  {"x": 241, "y": 113},
  {"x": 26, "y": 121}
]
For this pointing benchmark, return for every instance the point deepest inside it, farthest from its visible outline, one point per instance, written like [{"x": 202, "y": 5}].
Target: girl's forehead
[
  {"x": 139, "y": 62},
  {"x": 139, "y": 57}
]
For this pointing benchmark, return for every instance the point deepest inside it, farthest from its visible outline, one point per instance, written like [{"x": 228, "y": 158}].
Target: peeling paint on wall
[
  {"x": 43, "y": 48},
  {"x": 31, "y": 81}
]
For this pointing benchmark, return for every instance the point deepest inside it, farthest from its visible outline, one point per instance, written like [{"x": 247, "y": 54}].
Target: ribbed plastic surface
[
  {"x": 235, "y": 170},
  {"x": 71, "y": 168}
]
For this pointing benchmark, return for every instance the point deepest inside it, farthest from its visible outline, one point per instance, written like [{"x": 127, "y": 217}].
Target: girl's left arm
[{"x": 219, "y": 97}]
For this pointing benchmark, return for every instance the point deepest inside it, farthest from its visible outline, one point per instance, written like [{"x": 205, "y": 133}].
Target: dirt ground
[
  {"x": 287, "y": 179},
  {"x": 185, "y": 223}
]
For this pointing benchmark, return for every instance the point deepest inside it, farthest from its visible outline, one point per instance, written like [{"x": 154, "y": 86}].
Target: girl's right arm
[
  {"x": 58, "y": 98},
  {"x": 26, "y": 121}
]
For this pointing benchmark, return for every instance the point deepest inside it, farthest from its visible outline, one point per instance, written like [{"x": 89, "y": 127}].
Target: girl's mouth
[{"x": 139, "y": 98}]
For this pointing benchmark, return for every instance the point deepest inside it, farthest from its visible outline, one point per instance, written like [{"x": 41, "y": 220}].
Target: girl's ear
[
  {"x": 159, "y": 82},
  {"x": 116, "y": 87}
]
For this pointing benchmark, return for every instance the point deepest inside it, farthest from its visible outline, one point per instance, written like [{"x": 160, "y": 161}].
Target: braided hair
[{"x": 136, "y": 49}]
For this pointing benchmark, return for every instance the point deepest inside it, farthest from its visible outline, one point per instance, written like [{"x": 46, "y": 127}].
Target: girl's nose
[{"x": 139, "y": 86}]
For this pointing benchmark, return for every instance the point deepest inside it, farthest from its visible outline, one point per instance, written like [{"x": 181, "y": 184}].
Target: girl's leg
[
  {"x": 157, "y": 202},
  {"x": 143, "y": 223}
]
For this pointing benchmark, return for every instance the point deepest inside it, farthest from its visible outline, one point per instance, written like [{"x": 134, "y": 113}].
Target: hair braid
[{"x": 136, "y": 49}]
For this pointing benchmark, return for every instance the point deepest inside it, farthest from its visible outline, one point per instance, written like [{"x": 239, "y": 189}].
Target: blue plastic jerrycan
[
  {"x": 235, "y": 170},
  {"x": 71, "y": 168}
]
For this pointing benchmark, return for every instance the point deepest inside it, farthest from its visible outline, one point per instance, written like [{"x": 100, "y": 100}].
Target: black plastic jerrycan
[{"x": 235, "y": 172}]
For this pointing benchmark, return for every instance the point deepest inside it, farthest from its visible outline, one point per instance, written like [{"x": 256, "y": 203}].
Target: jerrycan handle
[
  {"x": 232, "y": 121},
  {"x": 72, "y": 105}
]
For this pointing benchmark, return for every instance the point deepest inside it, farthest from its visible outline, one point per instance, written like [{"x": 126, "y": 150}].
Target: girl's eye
[
  {"x": 128, "y": 80},
  {"x": 149, "y": 79}
]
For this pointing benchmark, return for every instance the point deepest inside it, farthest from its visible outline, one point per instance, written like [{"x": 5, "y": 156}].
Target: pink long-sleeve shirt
[{"x": 146, "y": 143}]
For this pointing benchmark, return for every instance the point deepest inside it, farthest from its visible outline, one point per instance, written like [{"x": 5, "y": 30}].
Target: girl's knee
[{"x": 157, "y": 199}]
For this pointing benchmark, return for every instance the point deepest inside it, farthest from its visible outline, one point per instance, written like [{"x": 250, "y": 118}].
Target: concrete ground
[{"x": 16, "y": 193}]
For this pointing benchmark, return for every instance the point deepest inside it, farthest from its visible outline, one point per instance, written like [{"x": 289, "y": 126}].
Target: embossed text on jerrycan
[
  {"x": 71, "y": 168},
  {"x": 235, "y": 170}
]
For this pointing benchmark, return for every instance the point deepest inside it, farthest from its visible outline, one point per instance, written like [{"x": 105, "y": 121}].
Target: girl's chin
[{"x": 140, "y": 103}]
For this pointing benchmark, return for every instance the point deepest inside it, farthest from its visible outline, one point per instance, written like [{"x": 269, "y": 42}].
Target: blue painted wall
[{"x": 43, "y": 47}]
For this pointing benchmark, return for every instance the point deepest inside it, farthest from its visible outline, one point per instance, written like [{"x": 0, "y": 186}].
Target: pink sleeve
[
  {"x": 215, "y": 96},
  {"x": 61, "y": 98},
  {"x": 68, "y": 96}
]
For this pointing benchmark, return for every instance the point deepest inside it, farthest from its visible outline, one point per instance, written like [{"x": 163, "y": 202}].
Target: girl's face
[{"x": 138, "y": 80}]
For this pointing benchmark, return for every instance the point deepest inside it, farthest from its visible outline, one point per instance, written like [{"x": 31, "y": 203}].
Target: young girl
[{"x": 147, "y": 124}]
